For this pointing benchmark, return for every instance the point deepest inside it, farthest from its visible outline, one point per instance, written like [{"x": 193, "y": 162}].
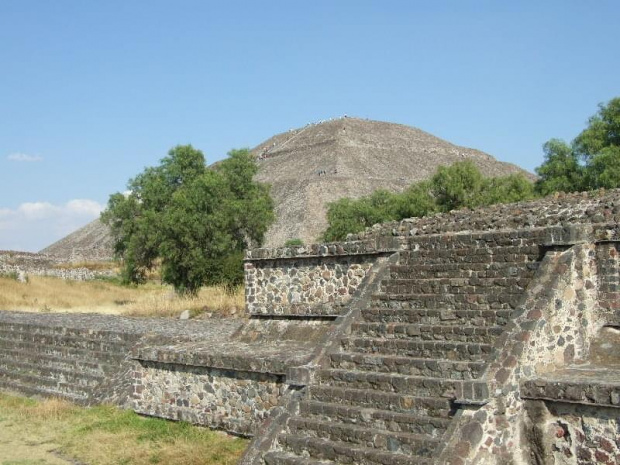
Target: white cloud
[
  {"x": 38, "y": 210},
  {"x": 23, "y": 157},
  {"x": 35, "y": 225},
  {"x": 84, "y": 206}
]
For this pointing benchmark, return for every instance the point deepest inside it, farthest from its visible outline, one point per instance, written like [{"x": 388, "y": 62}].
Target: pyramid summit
[{"x": 320, "y": 163}]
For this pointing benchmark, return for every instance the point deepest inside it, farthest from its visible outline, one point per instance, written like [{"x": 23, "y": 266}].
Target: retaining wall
[
  {"x": 316, "y": 279},
  {"x": 233, "y": 400}
]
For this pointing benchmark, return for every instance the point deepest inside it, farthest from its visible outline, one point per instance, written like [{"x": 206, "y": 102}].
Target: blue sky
[{"x": 91, "y": 92}]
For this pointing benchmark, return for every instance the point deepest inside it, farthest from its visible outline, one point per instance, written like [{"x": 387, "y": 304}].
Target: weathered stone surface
[
  {"x": 305, "y": 283},
  {"x": 23, "y": 264},
  {"x": 478, "y": 315},
  {"x": 234, "y": 400}
]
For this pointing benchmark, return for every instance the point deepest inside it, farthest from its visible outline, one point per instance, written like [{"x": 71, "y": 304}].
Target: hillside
[{"x": 322, "y": 162}]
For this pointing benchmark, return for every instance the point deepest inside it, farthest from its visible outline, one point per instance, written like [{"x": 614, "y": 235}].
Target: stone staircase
[
  {"x": 51, "y": 361},
  {"x": 387, "y": 396}
]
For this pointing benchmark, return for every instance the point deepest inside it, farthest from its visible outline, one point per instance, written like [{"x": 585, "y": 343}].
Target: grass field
[
  {"x": 46, "y": 294},
  {"x": 54, "y": 432}
]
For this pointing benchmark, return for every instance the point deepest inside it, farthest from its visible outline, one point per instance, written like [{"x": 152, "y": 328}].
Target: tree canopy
[
  {"x": 193, "y": 221},
  {"x": 591, "y": 161},
  {"x": 452, "y": 187}
]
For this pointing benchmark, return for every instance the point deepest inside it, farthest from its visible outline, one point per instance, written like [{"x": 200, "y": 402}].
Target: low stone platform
[
  {"x": 228, "y": 381},
  {"x": 213, "y": 330},
  {"x": 274, "y": 357},
  {"x": 223, "y": 373}
]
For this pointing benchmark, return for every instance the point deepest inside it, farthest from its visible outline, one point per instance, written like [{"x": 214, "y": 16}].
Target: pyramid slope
[
  {"x": 91, "y": 242},
  {"x": 320, "y": 163},
  {"x": 349, "y": 157}
]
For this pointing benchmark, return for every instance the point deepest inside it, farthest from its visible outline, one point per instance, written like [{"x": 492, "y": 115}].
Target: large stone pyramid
[
  {"x": 322, "y": 162},
  {"x": 350, "y": 157}
]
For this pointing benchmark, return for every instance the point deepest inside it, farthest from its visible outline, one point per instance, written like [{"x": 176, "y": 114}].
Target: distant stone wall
[
  {"x": 318, "y": 278},
  {"x": 25, "y": 264}
]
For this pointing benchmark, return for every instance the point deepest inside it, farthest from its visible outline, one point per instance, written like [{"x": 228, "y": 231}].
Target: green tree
[
  {"x": 452, "y": 187},
  {"x": 507, "y": 189},
  {"x": 456, "y": 186},
  {"x": 347, "y": 216},
  {"x": 591, "y": 161},
  {"x": 561, "y": 170},
  {"x": 417, "y": 200},
  {"x": 193, "y": 220}
]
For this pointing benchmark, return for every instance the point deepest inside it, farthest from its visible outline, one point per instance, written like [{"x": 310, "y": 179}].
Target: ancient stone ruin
[
  {"x": 475, "y": 337},
  {"x": 24, "y": 264},
  {"x": 320, "y": 163}
]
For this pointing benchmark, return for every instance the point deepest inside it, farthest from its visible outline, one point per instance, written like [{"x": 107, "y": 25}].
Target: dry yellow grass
[
  {"x": 46, "y": 294},
  {"x": 57, "y": 432}
]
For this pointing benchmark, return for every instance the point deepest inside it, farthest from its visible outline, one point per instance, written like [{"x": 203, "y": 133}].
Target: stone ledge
[
  {"x": 216, "y": 329},
  {"x": 264, "y": 357},
  {"x": 589, "y": 385},
  {"x": 340, "y": 249}
]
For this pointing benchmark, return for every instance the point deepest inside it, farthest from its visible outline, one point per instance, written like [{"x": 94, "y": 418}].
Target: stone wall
[
  {"x": 300, "y": 280},
  {"x": 23, "y": 264},
  {"x": 232, "y": 400},
  {"x": 83, "y": 358}
]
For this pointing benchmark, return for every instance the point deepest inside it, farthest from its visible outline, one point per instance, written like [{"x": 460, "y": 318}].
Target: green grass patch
[{"x": 106, "y": 435}]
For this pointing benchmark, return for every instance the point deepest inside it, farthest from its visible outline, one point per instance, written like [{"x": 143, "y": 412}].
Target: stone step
[
  {"x": 475, "y": 254},
  {"x": 419, "y": 332},
  {"x": 50, "y": 373},
  {"x": 395, "y": 402},
  {"x": 453, "y": 285},
  {"x": 62, "y": 331},
  {"x": 375, "y": 418},
  {"x": 445, "y": 350},
  {"x": 286, "y": 458},
  {"x": 480, "y": 301},
  {"x": 458, "y": 270},
  {"x": 431, "y": 316},
  {"x": 344, "y": 453},
  {"x": 437, "y": 368},
  {"x": 25, "y": 389},
  {"x": 423, "y": 386},
  {"x": 402, "y": 443},
  {"x": 459, "y": 282},
  {"x": 62, "y": 363},
  {"x": 328, "y": 316},
  {"x": 74, "y": 342},
  {"x": 32, "y": 348},
  {"x": 48, "y": 386}
]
